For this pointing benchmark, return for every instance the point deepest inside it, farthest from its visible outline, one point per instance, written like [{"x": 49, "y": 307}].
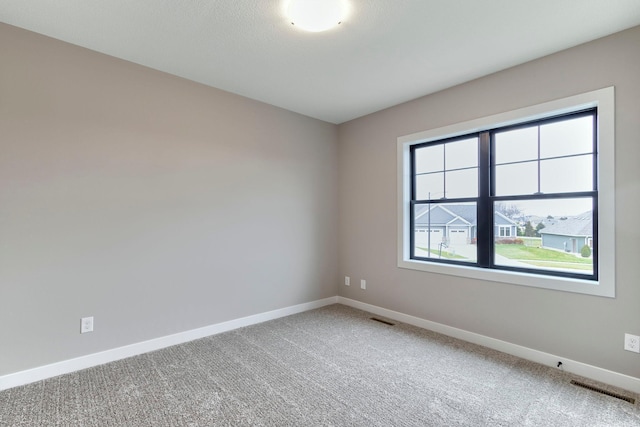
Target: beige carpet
[{"x": 328, "y": 367}]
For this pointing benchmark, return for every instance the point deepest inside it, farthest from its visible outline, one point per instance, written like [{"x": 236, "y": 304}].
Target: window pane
[
  {"x": 430, "y": 186},
  {"x": 567, "y": 137},
  {"x": 445, "y": 231},
  {"x": 462, "y": 183},
  {"x": 551, "y": 235},
  {"x": 566, "y": 174},
  {"x": 516, "y": 145},
  {"x": 462, "y": 154},
  {"x": 430, "y": 159},
  {"x": 518, "y": 178}
]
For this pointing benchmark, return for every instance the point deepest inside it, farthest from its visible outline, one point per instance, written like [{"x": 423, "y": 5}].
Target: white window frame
[
  {"x": 604, "y": 100},
  {"x": 504, "y": 231}
]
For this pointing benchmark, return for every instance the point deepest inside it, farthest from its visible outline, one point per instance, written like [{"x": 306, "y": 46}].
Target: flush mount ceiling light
[{"x": 316, "y": 15}]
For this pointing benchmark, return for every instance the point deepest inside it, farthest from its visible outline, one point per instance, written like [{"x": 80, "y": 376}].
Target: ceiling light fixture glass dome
[{"x": 316, "y": 15}]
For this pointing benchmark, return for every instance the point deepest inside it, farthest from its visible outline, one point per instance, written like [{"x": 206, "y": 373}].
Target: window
[
  {"x": 504, "y": 231},
  {"x": 493, "y": 181},
  {"x": 524, "y": 197}
]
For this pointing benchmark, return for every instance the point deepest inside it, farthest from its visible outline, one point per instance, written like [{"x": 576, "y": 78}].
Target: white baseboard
[
  {"x": 605, "y": 376},
  {"x": 588, "y": 371},
  {"x": 76, "y": 364}
]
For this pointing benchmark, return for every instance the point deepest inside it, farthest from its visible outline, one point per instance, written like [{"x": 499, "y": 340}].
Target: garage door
[{"x": 458, "y": 237}]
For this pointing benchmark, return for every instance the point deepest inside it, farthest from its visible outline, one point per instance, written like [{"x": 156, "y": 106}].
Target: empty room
[{"x": 319, "y": 213}]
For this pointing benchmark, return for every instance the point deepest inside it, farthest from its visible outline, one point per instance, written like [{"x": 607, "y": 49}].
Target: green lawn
[
  {"x": 537, "y": 256},
  {"x": 444, "y": 254},
  {"x": 527, "y": 253}
]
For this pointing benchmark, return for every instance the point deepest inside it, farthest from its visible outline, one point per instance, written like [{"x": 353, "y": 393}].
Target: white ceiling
[{"x": 384, "y": 53}]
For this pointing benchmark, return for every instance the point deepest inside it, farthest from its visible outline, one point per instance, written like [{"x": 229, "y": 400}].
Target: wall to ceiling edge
[
  {"x": 155, "y": 204},
  {"x": 583, "y": 328}
]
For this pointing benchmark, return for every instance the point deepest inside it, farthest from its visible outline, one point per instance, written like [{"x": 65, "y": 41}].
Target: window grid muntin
[
  {"x": 538, "y": 124},
  {"x": 443, "y": 142}
]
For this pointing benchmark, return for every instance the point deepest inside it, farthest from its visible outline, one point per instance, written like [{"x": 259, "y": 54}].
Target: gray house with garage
[
  {"x": 454, "y": 225},
  {"x": 570, "y": 234}
]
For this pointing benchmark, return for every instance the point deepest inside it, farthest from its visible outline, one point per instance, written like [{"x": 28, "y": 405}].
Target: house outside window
[{"x": 483, "y": 190}]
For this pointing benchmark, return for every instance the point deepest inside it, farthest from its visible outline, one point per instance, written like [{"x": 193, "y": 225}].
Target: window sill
[{"x": 589, "y": 287}]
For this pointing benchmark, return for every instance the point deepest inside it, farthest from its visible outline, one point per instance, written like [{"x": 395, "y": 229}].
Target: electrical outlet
[
  {"x": 86, "y": 324},
  {"x": 347, "y": 281},
  {"x": 363, "y": 284},
  {"x": 632, "y": 343}
]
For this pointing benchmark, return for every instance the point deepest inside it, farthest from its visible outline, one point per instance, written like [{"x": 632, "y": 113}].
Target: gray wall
[
  {"x": 155, "y": 204},
  {"x": 580, "y": 327}
]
